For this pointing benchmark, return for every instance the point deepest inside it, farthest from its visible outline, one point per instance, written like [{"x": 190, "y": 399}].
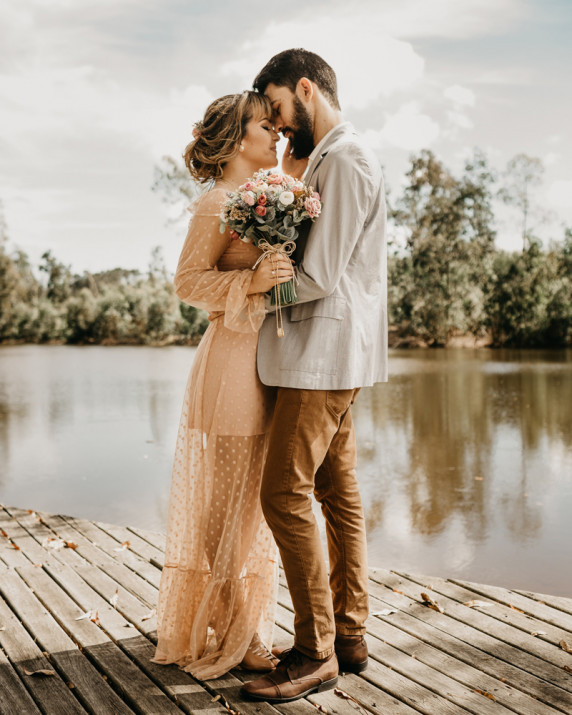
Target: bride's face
[{"x": 259, "y": 143}]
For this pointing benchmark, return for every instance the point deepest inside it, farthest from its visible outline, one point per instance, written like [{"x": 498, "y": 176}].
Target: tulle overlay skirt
[{"x": 218, "y": 586}]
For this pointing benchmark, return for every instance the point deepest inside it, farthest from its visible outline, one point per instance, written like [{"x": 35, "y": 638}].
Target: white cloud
[
  {"x": 445, "y": 18},
  {"x": 407, "y": 129},
  {"x": 377, "y": 65},
  {"x": 79, "y": 102},
  {"x": 460, "y": 96},
  {"x": 560, "y": 194},
  {"x": 459, "y": 120}
]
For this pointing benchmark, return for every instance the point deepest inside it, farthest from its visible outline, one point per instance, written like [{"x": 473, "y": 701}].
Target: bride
[{"x": 217, "y": 592}]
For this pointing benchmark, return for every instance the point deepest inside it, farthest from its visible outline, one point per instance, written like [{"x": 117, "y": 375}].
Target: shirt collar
[{"x": 318, "y": 149}]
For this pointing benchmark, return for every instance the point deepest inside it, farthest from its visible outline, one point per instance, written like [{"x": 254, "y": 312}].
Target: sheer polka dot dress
[{"x": 218, "y": 586}]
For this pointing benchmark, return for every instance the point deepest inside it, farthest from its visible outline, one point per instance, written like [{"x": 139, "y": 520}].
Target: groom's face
[{"x": 292, "y": 119}]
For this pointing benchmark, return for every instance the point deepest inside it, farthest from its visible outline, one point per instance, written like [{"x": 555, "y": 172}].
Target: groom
[{"x": 335, "y": 342}]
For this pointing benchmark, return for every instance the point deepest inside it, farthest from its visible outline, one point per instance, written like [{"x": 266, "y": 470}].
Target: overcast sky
[{"x": 94, "y": 92}]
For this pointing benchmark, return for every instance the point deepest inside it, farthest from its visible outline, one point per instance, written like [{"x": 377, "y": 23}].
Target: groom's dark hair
[{"x": 287, "y": 68}]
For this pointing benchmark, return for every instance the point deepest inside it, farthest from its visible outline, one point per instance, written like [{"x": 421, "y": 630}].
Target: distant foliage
[
  {"x": 446, "y": 278},
  {"x": 113, "y": 307}
]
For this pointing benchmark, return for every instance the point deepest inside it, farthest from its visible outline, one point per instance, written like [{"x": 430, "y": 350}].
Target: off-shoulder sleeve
[{"x": 198, "y": 282}]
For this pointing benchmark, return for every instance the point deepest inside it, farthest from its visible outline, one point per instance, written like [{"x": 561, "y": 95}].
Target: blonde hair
[{"x": 218, "y": 135}]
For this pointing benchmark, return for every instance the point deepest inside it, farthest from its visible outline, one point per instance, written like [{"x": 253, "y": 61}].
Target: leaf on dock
[
  {"x": 149, "y": 615},
  {"x": 384, "y": 612},
  {"x": 478, "y": 604},
  {"x": 92, "y": 615},
  {"x": 55, "y": 544},
  {"x": 565, "y": 647},
  {"x": 538, "y": 633},
  {"x": 3, "y": 533},
  {"x": 2, "y": 628},
  {"x": 567, "y": 668},
  {"x": 113, "y": 599},
  {"x": 430, "y": 603},
  {"x": 346, "y": 696},
  {"x": 41, "y": 671},
  {"x": 490, "y": 696},
  {"x": 124, "y": 546}
]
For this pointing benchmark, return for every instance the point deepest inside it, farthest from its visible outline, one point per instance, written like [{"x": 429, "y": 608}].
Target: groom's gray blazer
[{"x": 336, "y": 335}]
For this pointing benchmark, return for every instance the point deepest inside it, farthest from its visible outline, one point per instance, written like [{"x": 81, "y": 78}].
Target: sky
[{"x": 94, "y": 92}]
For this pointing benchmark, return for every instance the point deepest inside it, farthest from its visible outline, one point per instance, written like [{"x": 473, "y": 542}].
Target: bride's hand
[
  {"x": 272, "y": 270},
  {"x": 290, "y": 165}
]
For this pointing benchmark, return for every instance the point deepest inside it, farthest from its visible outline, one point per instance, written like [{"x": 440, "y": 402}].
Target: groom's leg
[
  {"x": 337, "y": 491},
  {"x": 303, "y": 428}
]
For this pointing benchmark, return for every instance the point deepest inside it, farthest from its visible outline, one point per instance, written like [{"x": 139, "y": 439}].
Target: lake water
[{"x": 465, "y": 457}]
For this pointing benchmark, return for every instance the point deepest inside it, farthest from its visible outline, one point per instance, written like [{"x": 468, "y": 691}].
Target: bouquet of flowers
[{"x": 266, "y": 211}]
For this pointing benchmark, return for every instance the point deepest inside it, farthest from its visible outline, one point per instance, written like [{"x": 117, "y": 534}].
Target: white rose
[{"x": 286, "y": 198}]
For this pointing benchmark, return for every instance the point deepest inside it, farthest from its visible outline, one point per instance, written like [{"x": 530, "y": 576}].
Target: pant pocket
[{"x": 338, "y": 401}]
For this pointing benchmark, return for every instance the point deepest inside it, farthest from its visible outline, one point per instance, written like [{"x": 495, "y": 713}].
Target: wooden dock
[{"x": 77, "y": 632}]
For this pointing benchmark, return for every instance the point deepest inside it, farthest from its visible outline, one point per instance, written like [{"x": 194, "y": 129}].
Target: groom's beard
[{"x": 302, "y": 140}]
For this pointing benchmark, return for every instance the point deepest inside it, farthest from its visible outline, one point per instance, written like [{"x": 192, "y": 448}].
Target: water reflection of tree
[{"x": 450, "y": 412}]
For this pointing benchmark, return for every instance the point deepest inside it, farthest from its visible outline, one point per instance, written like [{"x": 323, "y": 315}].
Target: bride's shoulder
[{"x": 209, "y": 203}]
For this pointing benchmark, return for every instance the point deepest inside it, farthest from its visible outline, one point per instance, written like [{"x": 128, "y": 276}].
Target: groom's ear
[{"x": 305, "y": 88}]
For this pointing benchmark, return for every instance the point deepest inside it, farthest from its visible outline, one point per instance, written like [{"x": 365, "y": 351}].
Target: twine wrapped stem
[{"x": 269, "y": 251}]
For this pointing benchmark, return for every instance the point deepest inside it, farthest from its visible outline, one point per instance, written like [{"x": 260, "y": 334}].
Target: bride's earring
[{"x": 241, "y": 147}]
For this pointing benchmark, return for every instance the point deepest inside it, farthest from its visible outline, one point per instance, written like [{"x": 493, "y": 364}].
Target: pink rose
[
  {"x": 248, "y": 186},
  {"x": 274, "y": 179},
  {"x": 316, "y": 195},
  {"x": 249, "y": 198},
  {"x": 313, "y": 207},
  {"x": 262, "y": 200},
  {"x": 234, "y": 235},
  {"x": 260, "y": 210}
]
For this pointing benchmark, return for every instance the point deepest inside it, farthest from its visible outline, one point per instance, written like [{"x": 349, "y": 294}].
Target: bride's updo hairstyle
[{"x": 218, "y": 136}]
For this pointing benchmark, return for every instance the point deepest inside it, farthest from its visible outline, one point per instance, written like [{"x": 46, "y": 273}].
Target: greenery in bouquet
[{"x": 266, "y": 211}]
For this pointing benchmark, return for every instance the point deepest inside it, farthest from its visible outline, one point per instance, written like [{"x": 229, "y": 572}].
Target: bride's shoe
[{"x": 258, "y": 658}]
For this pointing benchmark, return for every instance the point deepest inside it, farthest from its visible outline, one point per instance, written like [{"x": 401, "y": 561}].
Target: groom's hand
[{"x": 292, "y": 166}]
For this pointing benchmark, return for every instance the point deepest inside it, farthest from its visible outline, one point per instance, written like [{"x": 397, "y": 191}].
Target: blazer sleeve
[
  {"x": 348, "y": 191},
  {"x": 198, "y": 281}
]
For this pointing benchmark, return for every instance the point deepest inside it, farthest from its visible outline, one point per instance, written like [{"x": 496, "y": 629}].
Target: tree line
[{"x": 445, "y": 275}]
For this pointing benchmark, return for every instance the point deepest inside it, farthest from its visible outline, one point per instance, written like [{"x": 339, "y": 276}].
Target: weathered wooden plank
[
  {"x": 50, "y": 693},
  {"x": 560, "y": 603},
  {"x": 530, "y": 606},
  {"x": 500, "y": 640},
  {"x": 17, "y": 535},
  {"x": 155, "y": 538},
  {"x": 123, "y": 551},
  {"x": 14, "y": 698},
  {"x": 89, "y": 687},
  {"x": 514, "y": 628},
  {"x": 464, "y": 644},
  {"x": 138, "y": 545},
  {"x": 448, "y": 664},
  {"x": 140, "y": 693},
  {"x": 544, "y": 632},
  {"x": 180, "y": 686}
]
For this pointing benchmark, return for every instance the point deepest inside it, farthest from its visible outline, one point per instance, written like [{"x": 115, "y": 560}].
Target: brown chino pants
[{"x": 312, "y": 448}]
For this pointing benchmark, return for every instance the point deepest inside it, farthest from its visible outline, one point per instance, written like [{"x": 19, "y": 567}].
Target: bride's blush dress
[{"x": 218, "y": 586}]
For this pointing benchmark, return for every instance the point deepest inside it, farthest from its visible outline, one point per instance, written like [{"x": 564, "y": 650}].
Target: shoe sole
[
  {"x": 353, "y": 667},
  {"x": 326, "y": 685}
]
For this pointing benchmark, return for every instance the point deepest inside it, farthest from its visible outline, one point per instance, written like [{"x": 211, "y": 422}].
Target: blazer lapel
[{"x": 337, "y": 133}]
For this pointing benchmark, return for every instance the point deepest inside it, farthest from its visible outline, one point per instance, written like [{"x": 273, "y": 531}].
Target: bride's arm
[{"x": 198, "y": 282}]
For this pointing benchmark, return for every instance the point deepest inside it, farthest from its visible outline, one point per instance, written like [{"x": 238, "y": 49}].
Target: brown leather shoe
[
  {"x": 352, "y": 653},
  {"x": 295, "y": 677}
]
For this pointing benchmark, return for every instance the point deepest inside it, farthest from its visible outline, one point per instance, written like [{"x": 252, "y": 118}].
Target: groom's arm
[{"x": 348, "y": 191}]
